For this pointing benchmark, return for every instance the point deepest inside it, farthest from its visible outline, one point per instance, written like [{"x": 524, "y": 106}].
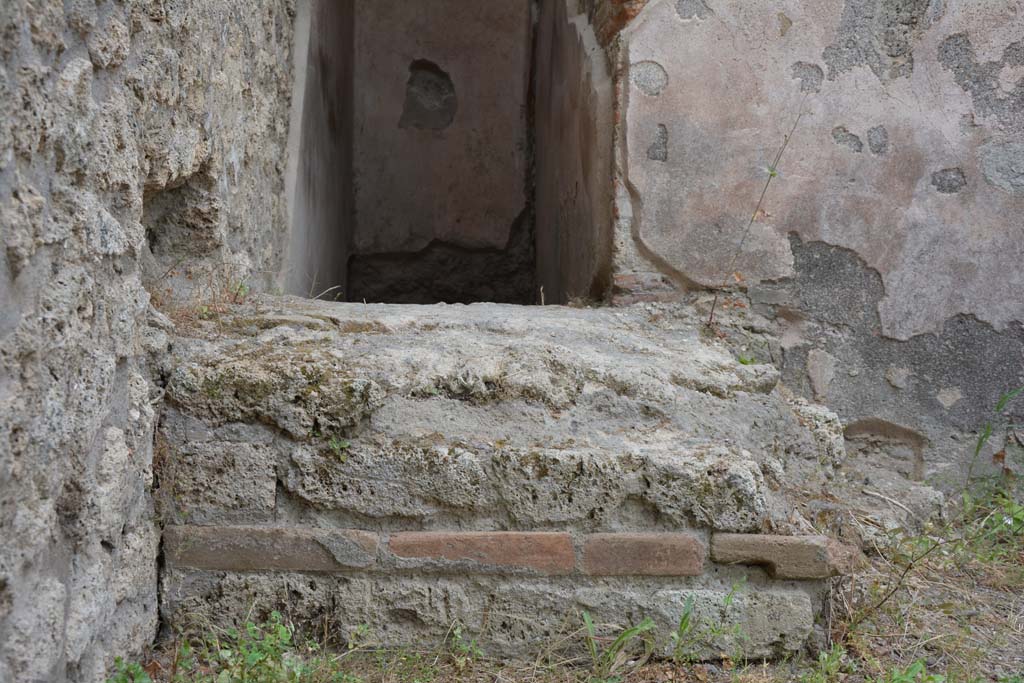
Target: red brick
[
  {"x": 787, "y": 557},
  {"x": 268, "y": 548},
  {"x": 650, "y": 554},
  {"x": 613, "y": 16},
  {"x": 547, "y": 553}
]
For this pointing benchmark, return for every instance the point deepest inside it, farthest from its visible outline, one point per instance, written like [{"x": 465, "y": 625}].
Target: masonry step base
[
  {"x": 504, "y": 468},
  {"x": 513, "y": 591}
]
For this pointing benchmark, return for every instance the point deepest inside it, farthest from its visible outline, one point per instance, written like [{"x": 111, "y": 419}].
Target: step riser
[
  {"x": 498, "y": 468},
  {"x": 513, "y": 617}
]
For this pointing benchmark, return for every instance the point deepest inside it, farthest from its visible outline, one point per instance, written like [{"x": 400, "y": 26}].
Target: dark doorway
[{"x": 418, "y": 157}]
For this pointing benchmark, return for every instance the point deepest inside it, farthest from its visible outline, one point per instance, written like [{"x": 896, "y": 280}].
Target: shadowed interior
[{"x": 418, "y": 162}]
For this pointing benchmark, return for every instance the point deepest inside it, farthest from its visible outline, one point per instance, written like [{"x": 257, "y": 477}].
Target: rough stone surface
[
  {"x": 787, "y": 557},
  {"x": 509, "y": 617},
  {"x": 397, "y": 413},
  {"x": 646, "y": 434},
  {"x": 133, "y": 135}
]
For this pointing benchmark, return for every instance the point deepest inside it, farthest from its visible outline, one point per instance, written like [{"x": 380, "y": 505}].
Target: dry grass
[
  {"x": 961, "y": 616},
  {"x": 958, "y": 611},
  {"x": 190, "y": 294}
]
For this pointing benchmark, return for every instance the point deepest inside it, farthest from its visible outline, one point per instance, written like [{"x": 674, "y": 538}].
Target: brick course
[
  {"x": 247, "y": 548},
  {"x": 652, "y": 554},
  {"x": 269, "y": 549},
  {"x": 787, "y": 557},
  {"x": 547, "y": 553}
]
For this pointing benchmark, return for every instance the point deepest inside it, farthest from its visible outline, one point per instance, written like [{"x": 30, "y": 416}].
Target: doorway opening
[{"x": 453, "y": 151}]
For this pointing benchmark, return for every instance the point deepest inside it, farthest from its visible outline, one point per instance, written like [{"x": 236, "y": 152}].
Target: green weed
[
  {"x": 339, "y": 447},
  {"x": 610, "y": 662},
  {"x": 915, "y": 673},
  {"x": 464, "y": 651},
  {"x": 828, "y": 669},
  {"x": 125, "y": 672},
  {"x": 683, "y": 638}
]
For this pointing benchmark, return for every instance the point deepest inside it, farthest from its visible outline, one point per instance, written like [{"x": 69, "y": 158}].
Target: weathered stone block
[
  {"x": 511, "y": 617},
  {"x": 640, "y": 554},
  {"x": 294, "y": 388},
  {"x": 787, "y": 557},
  {"x": 641, "y": 429},
  {"x": 219, "y": 481},
  {"x": 269, "y": 549}
]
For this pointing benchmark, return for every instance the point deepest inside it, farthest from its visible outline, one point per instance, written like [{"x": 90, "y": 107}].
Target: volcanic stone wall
[{"x": 141, "y": 148}]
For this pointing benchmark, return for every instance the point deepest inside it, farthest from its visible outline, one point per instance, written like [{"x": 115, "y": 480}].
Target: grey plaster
[
  {"x": 879, "y": 34},
  {"x": 1004, "y": 105},
  {"x": 430, "y": 98},
  {"x": 693, "y": 9},
  {"x": 941, "y": 386},
  {"x": 878, "y": 140},
  {"x": 1002, "y": 164},
  {"x": 810, "y": 76},
  {"x": 845, "y": 138},
  {"x": 650, "y": 77},
  {"x": 949, "y": 180},
  {"x": 658, "y": 151}
]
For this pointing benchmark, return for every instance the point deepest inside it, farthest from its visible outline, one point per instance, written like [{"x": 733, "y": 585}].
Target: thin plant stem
[{"x": 773, "y": 171}]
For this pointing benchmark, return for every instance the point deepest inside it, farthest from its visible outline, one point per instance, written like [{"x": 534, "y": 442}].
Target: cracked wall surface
[
  {"x": 141, "y": 142},
  {"x": 907, "y": 157},
  {"x": 922, "y": 394}
]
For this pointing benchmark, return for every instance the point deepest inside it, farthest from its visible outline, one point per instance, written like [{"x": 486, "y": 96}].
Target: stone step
[{"x": 497, "y": 466}]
